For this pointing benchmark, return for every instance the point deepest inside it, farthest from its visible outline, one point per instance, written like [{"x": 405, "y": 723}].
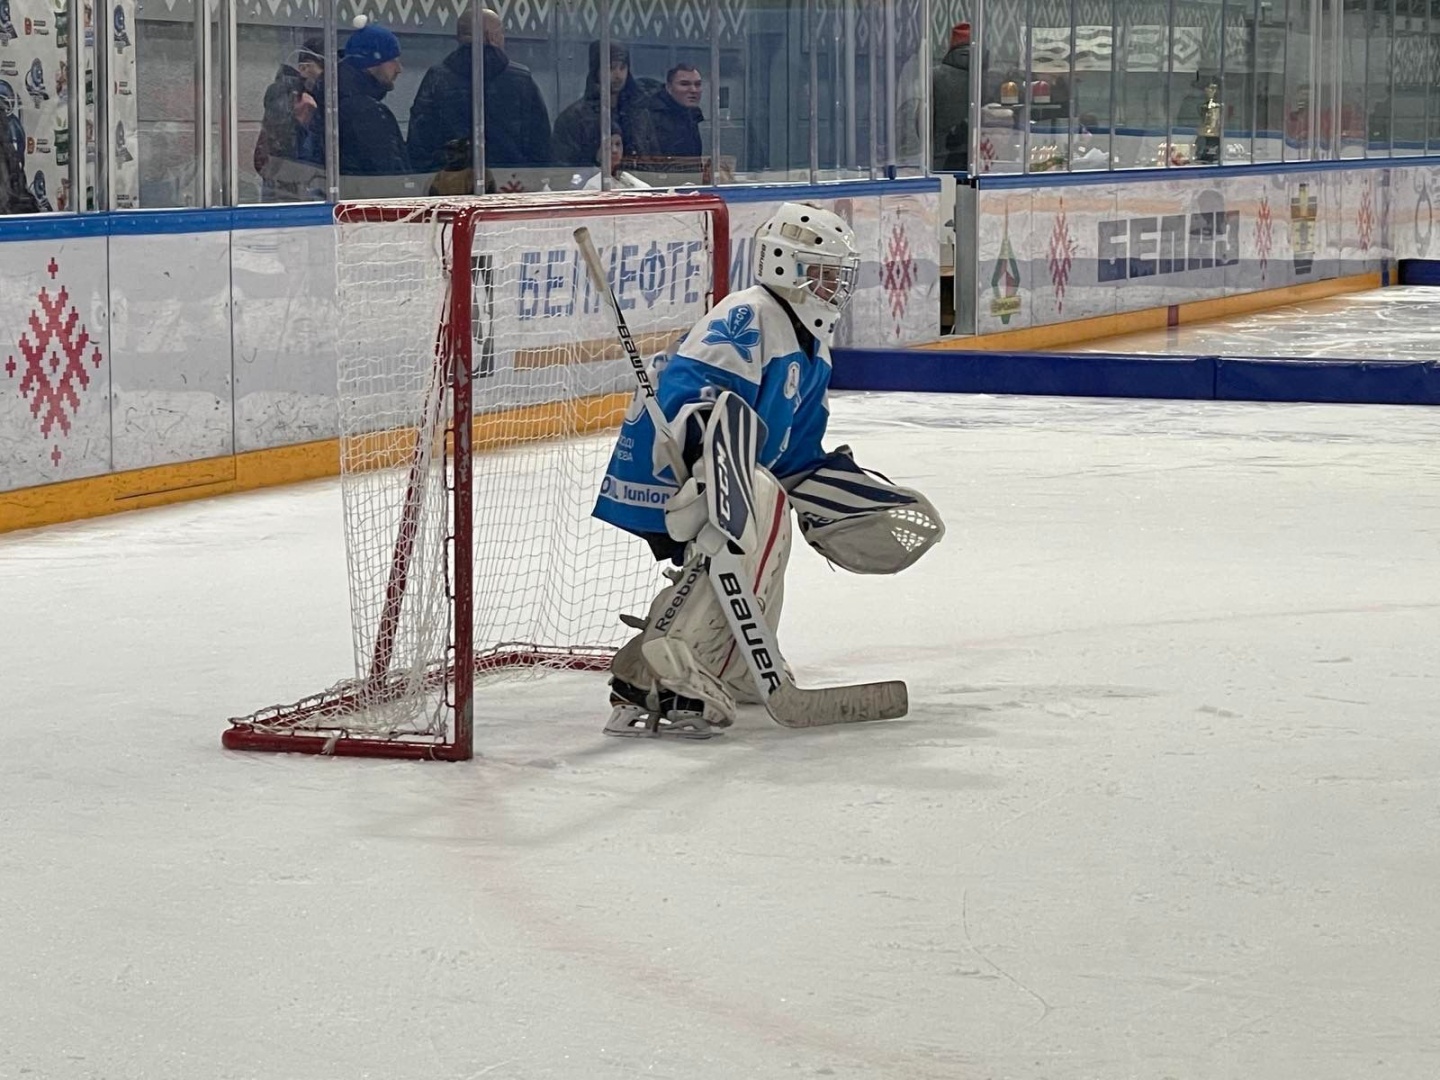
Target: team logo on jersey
[
  {"x": 735, "y": 329},
  {"x": 792, "y": 380}
]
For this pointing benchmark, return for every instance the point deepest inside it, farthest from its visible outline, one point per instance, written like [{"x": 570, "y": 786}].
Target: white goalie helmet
[{"x": 807, "y": 255}]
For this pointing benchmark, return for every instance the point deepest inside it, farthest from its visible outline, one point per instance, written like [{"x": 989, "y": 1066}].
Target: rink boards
[
  {"x": 151, "y": 356},
  {"x": 1096, "y": 245}
]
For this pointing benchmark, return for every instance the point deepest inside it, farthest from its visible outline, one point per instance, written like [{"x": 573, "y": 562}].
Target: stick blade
[{"x": 792, "y": 707}]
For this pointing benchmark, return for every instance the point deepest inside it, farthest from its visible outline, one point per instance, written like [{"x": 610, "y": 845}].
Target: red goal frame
[{"x": 315, "y": 725}]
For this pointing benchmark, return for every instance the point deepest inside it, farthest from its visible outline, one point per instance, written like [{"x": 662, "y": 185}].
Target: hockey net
[{"x": 480, "y": 384}]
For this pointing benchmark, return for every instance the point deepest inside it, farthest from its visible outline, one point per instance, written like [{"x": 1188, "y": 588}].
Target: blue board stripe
[{"x": 1199, "y": 378}]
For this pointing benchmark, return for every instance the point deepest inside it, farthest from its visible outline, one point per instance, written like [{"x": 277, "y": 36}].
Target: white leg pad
[
  {"x": 692, "y": 651},
  {"x": 677, "y": 668}
]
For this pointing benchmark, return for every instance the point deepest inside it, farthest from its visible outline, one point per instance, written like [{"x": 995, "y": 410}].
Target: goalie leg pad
[
  {"x": 686, "y": 645},
  {"x": 859, "y": 520},
  {"x": 679, "y": 670}
]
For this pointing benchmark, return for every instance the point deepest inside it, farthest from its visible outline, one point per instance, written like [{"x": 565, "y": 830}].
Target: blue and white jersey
[{"x": 747, "y": 344}]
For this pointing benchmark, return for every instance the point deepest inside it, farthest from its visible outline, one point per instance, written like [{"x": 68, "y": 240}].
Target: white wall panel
[
  {"x": 1327, "y": 258},
  {"x": 1064, "y": 253},
  {"x": 1415, "y": 212},
  {"x": 1004, "y": 269},
  {"x": 1363, "y": 231},
  {"x": 908, "y": 257},
  {"x": 170, "y": 331},
  {"x": 1257, "y": 267},
  {"x": 55, "y": 363},
  {"x": 897, "y": 296},
  {"x": 284, "y": 334}
]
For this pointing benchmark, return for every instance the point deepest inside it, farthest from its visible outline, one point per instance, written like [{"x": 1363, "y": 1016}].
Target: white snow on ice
[{"x": 1167, "y": 804}]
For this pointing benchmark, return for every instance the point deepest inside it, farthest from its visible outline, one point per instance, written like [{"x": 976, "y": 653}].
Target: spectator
[
  {"x": 675, "y": 116},
  {"x": 950, "y": 104},
  {"x": 517, "y": 124},
  {"x": 622, "y": 180},
  {"x": 577, "y": 129},
  {"x": 370, "y": 139},
  {"x": 289, "y": 111}
]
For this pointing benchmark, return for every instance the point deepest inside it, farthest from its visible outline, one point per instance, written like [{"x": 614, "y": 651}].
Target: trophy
[{"x": 1207, "y": 142}]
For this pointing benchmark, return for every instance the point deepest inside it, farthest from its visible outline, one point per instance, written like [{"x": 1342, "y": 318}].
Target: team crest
[
  {"x": 792, "y": 380},
  {"x": 735, "y": 329}
]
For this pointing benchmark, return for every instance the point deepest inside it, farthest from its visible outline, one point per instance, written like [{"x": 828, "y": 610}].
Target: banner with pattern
[
  {"x": 124, "y": 110},
  {"x": 34, "y": 97}
]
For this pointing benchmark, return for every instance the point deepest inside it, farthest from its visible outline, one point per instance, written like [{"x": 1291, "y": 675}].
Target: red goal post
[{"x": 479, "y": 378}]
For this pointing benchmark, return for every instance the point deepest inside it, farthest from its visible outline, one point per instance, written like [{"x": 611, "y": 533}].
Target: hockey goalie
[{"x": 745, "y": 398}]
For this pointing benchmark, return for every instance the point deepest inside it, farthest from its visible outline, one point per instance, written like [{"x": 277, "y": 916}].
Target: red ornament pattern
[
  {"x": 899, "y": 273},
  {"x": 1264, "y": 232},
  {"x": 54, "y": 351},
  {"x": 1365, "y": 216},
  {"x": 1061, "y": 256}
]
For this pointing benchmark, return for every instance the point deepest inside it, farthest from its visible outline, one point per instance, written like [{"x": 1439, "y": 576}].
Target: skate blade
[{"x": 633, "y": 723}]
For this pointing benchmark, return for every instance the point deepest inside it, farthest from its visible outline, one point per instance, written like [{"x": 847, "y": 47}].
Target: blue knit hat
[{"x": 370, "y": 45}]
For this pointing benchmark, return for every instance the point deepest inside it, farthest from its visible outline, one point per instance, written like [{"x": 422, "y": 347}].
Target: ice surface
[
  {"x": 1167, "y": 805},
  {"x": 1396, "y": 324}
]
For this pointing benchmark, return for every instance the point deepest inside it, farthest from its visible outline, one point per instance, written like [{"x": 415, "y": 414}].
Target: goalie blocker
[{"x": 745, "y": 393}]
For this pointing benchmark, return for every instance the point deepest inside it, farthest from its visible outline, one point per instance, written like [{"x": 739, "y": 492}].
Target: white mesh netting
[{"x": 550, "y": 386}]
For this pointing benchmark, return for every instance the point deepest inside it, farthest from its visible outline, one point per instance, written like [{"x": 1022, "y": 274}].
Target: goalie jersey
[{"x": 747, "y": 343}]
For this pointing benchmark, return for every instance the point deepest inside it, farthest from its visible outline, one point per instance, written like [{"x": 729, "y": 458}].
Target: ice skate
[{"x": 641, "y": 714}]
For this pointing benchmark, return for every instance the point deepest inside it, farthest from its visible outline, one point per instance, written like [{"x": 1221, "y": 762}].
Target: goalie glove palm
[{"x": 685, "y": 513}]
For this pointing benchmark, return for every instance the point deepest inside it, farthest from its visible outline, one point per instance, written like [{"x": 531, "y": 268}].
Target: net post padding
[{"x": 451, "y": 581}]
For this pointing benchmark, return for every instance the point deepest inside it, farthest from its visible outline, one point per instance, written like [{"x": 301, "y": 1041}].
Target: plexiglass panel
[
  {"x": 279, "y": 62},
  {"x": 154, "y": 69}
]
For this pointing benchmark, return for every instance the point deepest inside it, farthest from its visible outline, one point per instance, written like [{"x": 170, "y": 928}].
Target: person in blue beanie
[{"x": 370, "y": 140}]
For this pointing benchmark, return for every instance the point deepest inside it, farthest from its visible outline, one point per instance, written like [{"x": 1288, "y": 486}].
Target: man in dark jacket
[
  {"x": 370, "y": 139},
  {"x": 517, "y": 124},
  {"x": 675, "y": 117},
  {"x": 950, "y": 104},
  {"x": 289, "y": 111},
  {"x": 577, "y": 129}
]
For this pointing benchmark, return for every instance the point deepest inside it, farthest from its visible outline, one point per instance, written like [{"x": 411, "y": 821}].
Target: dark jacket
[
  {"x": 280, "y": 133},
  {"x": 950, "y": 106},
  {"x": 676, "y": 127},
  {"x": 517, "y": 124},
  {"x": 370, "y": 139},
  {"x": 15, "y": 197},
  {"x": 577, "y": 128}
]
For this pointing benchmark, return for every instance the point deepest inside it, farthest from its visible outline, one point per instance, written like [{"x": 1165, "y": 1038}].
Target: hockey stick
[{"x": 787, "y": 704}]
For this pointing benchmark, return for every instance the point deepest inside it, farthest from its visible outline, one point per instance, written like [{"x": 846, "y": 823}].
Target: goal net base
[{"x": 318, "y": 724}]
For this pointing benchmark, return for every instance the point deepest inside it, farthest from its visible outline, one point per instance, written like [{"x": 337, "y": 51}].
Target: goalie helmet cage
[{"x": 476, "y": 364}]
